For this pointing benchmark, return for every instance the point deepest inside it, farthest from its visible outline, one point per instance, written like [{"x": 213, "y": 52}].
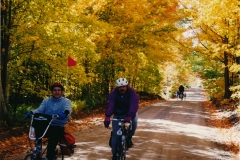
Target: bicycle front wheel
[
  {"x": 29, "y": 157},
  {"x": 119, "y": 148}
]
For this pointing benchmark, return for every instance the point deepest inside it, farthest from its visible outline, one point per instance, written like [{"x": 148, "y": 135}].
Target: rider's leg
[
  {"x": 134, "y": 126},
  {"x": 132, "y": 132},
  {"x": 55, "y": 133}
]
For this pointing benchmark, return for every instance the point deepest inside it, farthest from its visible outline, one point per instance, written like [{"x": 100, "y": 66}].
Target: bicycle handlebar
[
  {"x": 116, "y": 119},
  {"x": 53, "y": 115},
  {"x": 122, "y": 120}
]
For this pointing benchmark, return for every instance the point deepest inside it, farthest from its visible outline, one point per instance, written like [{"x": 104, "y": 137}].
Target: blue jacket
[
  {"x": 55, "y": 106},
  {"x": 122, "y": 104}
]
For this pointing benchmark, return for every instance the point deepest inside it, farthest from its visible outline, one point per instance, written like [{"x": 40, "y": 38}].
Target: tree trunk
[
  {"x": 226, "y": 72},
  {"x": 5, "y": 46},
  {"x": 3, "y": 103},
  {"x": 227, "y": 93}
]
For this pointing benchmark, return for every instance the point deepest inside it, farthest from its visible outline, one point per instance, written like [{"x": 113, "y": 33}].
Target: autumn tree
[
  {"x": 215, "y": 27},
  {"x": 108, "y": 39}
]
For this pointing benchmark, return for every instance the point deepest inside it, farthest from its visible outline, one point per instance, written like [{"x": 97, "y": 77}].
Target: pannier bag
[{"x": 67, "y": 144}]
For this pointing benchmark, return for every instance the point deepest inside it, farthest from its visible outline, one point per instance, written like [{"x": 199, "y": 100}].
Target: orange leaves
[
  {"x": 232, "y": 147},
  {"x": 220, "y": 123},
  {"x": 171, "y": 8},
  {"x": 14, "y": 146}
]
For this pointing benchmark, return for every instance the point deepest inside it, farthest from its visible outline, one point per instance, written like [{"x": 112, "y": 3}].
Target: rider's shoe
[{"x": 129, "y": 143}]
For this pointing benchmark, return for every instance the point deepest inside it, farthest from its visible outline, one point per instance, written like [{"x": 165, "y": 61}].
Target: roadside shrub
[{"x": 77, "y": 106}]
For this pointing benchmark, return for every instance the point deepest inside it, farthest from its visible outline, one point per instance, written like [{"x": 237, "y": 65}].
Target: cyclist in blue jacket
[
  {"x": 122, "y": 103},
  {"x": 54, "y": 105}
]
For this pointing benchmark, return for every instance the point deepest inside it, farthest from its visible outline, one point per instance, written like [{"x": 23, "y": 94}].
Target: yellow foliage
[
  {"x": 234, "y": 68},
  {"x": 236, "y": 92},
  {"x": 225, "y": 101}
]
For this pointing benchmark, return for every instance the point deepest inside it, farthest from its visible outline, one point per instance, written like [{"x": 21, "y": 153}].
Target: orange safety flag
[{"x": 71, "y": 62}]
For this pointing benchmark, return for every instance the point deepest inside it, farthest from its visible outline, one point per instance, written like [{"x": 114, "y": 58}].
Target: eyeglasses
[{"x": 57, "y": 90}]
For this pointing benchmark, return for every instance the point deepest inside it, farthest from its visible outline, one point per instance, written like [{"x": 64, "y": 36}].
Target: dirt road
[{"x": 170, "y": 130}]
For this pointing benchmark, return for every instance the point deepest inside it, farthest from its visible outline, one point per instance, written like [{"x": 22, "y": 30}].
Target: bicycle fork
[{"x": 37, "y": 150}]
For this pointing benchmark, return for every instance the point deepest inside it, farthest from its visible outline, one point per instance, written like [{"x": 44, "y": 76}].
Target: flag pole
[
  {"x": 66, "y": 83},
  {"x": 71, "y": 62}
]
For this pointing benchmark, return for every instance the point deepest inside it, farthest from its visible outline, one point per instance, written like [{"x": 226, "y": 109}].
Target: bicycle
[
  {"x": 40, "y": 123},
  {"x": 122, "y": 138}
]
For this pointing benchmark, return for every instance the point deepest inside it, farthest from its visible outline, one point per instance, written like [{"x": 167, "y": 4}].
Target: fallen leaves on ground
[{"x": 220, "y": 123}]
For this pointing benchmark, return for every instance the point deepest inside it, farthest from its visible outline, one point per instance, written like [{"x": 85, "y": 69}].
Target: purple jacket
[{"x": 122, "y": 104}]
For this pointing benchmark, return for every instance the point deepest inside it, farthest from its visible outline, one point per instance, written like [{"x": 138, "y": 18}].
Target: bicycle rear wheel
[{"x": 181, "y": 96}]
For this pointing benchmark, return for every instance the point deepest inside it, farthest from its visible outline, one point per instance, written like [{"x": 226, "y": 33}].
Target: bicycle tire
[
  {"x": 119, "y": 148},
  {"x": 123, "y": 149},
  {"x": 29, "y": 157},
  {"x": 181, "y": 96},
  {"x": 125, "y": 146}
]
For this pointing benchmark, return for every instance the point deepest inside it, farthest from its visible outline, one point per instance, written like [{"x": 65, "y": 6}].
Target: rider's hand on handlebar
[
  {"x": 107, "y": 122},
  {"x": 128, "y": 119},
  {"x": 61, "y": 116},
  {"x": 28, "y": 115}
]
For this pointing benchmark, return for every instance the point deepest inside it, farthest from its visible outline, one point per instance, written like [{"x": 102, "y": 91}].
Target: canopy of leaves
[
  {"x": 108, "y": 39},
  {"x": 214, "y": 34}
]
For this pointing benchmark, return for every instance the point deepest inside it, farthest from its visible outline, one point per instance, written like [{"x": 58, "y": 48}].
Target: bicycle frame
[
  {"x": 36, "y": 152},
  {"x": 122, "y": 136}
]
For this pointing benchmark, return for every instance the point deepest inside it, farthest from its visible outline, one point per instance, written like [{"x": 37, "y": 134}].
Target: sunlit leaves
[
  {"x": 219, "y": 32},
  {"x": 108, "y": 39}
]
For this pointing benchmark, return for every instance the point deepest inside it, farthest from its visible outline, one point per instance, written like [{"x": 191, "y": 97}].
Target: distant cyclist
[
  {"x": 181, "y": 89},
  {"x": 122, "y": 104}
]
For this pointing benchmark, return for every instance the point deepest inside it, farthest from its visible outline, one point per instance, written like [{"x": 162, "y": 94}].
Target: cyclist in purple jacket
[{"x": 122, "y": 103}]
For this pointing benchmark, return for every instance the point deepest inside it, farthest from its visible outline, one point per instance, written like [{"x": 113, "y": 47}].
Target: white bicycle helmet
[{"x": 121, "y": 82}]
